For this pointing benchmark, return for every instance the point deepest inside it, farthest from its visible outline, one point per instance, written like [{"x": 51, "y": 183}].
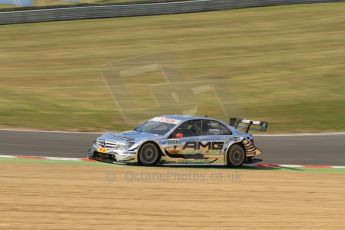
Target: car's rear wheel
[
  {"x": 148, "y": 155},
  {"x": 236, "y": 156}
]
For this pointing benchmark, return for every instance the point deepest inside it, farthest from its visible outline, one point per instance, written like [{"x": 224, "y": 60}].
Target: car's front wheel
[
  {"x": 236, "y": 156},
  {"x": 148, "y": 155}
]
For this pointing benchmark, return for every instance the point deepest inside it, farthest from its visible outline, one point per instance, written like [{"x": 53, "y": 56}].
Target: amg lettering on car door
[{"x": 197, "y": 145}]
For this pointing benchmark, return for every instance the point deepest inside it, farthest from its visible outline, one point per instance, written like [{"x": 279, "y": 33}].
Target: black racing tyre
[
  {"x": 148, "y": 155},
  {"x": 236, "y": 156}
]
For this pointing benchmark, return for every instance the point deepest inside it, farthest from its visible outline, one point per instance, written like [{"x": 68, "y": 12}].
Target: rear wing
[{"x": 248, "y": 124}]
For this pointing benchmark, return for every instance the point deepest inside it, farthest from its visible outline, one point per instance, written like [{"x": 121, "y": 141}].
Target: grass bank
[{"x": 282, "y": 64}]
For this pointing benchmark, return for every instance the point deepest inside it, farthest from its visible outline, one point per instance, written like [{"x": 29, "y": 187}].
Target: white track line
[
  {"x": 62, "y": 159},
  {"x": 299, "y": 134},
  {"x": 48, "y": 131},
  {"x": 7, "y": 156},
  {"x": 338, "y": 167},
  {"x": 291, "y": 166},
  {"x": 176, "y": 164}
]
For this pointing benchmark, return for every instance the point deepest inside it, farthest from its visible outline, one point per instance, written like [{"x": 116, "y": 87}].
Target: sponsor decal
[
  {"x": 254, "y": 122},
  {"x": 197, "y": 145},
  {"x": 250, "y": 148},
  {"x": 174, "y": 141},
  {"x": 102, "y": 150},
  {"x": 166, "y": 120}
]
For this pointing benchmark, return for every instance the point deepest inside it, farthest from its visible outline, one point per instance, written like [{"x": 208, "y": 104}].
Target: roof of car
[{"x": 184, "y": 117}]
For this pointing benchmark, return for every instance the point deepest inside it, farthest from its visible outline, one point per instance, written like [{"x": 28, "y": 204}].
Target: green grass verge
[
  {"x": 180, "y": 168},
  {"x": 282, "y": 64},
  {"x": 39, "y": 161}
]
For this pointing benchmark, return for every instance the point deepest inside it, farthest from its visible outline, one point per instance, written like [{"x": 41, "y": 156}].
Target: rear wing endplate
[{"x": 249, "y": 124}]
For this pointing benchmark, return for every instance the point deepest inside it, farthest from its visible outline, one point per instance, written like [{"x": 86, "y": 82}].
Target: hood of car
[{"x": 128, "y": 136}]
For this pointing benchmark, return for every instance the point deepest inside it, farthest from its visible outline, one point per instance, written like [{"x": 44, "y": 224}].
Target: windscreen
[{"x": 155, "y": 127}]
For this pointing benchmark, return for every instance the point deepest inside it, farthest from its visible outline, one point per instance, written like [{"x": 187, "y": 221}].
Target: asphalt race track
[{"x": 327, "y": 149}]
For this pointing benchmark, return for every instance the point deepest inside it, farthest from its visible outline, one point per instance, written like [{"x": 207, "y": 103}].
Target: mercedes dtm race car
[{"x": 180, "y": 139}]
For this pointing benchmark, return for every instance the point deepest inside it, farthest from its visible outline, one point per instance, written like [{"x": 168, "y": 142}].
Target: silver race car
[{"x": 180, "y": 139}]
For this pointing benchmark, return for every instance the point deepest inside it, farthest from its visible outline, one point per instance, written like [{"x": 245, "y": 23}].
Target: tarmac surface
[{"x": 321, "y": 149}]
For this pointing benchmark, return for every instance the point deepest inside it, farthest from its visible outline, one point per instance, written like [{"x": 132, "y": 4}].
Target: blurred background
[{"x": 282, "y": 64}]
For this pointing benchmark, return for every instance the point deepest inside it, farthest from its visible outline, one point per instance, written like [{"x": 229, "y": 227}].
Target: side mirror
[{"x": 179, "y": 135}]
